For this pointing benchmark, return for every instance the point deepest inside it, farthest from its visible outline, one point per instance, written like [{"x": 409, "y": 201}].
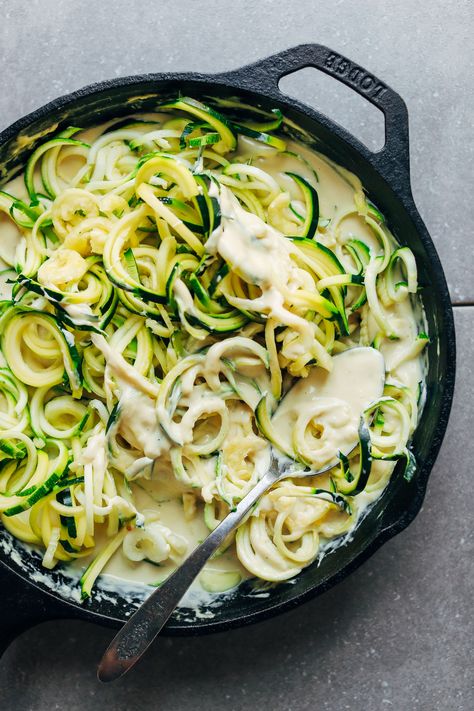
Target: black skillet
[{"x": 29, "y": 595}]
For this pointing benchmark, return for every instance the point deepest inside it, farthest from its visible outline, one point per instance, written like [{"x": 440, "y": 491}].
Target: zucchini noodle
[{"x": 172, "y": 276}]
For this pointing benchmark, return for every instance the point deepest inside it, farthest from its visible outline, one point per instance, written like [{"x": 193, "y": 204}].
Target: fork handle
[{"x": 141, "y": 629}]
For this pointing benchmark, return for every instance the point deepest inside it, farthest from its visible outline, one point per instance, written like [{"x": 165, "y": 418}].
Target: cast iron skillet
[{"x": 385, "y": 175}]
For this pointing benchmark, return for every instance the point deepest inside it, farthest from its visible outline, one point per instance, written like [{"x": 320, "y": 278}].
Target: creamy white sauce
[
  {"x": 262, "y": 256},
  {"x": 331, "y": 404},
  {"x": 79, "y": 312},
  {"x": 123, "y": 371},
  {"x": 138, "y": 423},
  {"x": 256, "y": 251}
]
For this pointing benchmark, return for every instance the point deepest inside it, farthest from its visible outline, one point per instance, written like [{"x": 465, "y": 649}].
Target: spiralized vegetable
[{"x": 167, "y": 276}]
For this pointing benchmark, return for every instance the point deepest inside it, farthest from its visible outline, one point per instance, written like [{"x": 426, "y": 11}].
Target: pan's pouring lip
[{"x": 391, "y": 171}]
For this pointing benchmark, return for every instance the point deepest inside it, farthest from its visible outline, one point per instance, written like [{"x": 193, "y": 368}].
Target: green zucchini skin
[
  {"x": 205, "y": 113},
  {"x": 145, "y": 213},
  {"x": 62, "y": 140},
  {"x": 351, "y": 484},
  {"x": 326, "y": 263},
  {"x": 264, "y": 423},
  {"x": 71, "y": 357},
  {"x": 310, "y": 194}
]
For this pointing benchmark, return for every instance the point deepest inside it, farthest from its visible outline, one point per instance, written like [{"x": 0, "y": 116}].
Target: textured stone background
[{"x": 398, "y": 633}]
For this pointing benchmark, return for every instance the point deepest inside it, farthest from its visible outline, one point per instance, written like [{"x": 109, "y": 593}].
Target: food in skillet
[{"x": 166, "y": 279}]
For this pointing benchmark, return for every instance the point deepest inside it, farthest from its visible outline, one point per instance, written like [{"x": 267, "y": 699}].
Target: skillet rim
[{"x": 247, "y": 81}]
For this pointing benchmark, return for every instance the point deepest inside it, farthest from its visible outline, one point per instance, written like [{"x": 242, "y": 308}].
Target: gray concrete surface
[{"x": 398, "y": 633}]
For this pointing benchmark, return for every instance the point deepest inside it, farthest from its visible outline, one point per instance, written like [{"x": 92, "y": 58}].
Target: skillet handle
[
  {"x": 17, "y": 608},
  {"x": 393, "y": 160},
  {"x": 22, "y": 606}
]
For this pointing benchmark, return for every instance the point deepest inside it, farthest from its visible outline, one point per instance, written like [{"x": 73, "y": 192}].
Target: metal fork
[{"x": 141, "y": 629}]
